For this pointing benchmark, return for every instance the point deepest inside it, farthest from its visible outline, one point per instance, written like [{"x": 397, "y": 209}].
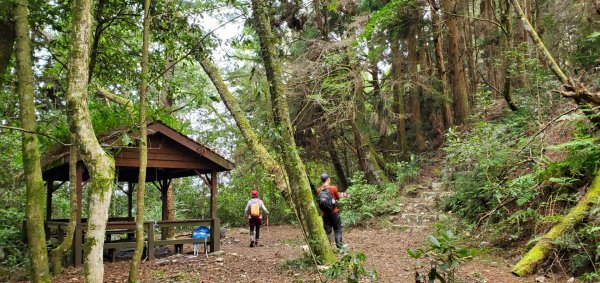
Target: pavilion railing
[{"x": 58, "y": 227}]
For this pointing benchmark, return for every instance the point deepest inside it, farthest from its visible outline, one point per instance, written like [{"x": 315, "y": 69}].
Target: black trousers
[
  {"x": 333, "y": 221},
  {"x": 255, "y": 224}
]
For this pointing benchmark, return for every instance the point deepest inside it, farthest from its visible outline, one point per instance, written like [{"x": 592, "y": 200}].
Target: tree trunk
[
  {"x": 36, "y": 236},
  {"x": 97, "y": 35},
  {"x": 274, "y": 170},
  {"x": 469, "y": 50},
  {"x": 58, "y": 253},
  {"x": 360, "y": 128},
  {"x": 455, "y": 52},
  {"x": 143, "y": 149},
  {"x": 7, "y": 41},
  {"x": 544, "y": 246},
  {"x": 415, "y": 107},
  {"x": 437, "y": 39},
  {"x": 508, "y": 46},
  {"x": 491, "y": 40},
  {"x": 398, "y": 97},
  {"x": 300, "y": 187},
  {"x": 337, "y": 165},
  {"x": 260, "y": 152},
  {"x": 100, "y": 165}
]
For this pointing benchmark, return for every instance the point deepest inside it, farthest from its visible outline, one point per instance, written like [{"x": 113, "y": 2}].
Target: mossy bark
[
  {"x": 399, "y": 110},
  {"x": 100, "y": 165},
  {"x": 415, "y": 106},
  {"x": 58, "y": 253},
  {"x": 143, "y": 149},
  {"x": 115, "y": 98},
  {"x": 300, "y": 187},
  {"x": 274, "y": 170},
  {"x": 360, "y": 128},
  {"x": 538, "y": 253},
  {"x": 36, "y": 236}
]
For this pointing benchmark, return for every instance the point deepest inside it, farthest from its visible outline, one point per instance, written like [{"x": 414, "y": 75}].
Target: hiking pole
[{"x": 268, "y": 233}]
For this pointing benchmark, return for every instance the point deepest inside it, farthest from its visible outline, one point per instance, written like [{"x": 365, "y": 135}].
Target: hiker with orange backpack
[
  {"x": 328, "y": 196},
  {"x": 253, "y": 211}
]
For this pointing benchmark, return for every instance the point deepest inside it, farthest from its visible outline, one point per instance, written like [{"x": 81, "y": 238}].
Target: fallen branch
[{"x": 538, "y": 253}]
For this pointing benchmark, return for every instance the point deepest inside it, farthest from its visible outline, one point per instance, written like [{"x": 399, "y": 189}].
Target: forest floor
[{"x": 385, "y": 250}]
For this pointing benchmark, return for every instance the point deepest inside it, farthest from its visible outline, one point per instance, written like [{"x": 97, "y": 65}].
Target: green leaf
[{"x": 434, "y": 241}]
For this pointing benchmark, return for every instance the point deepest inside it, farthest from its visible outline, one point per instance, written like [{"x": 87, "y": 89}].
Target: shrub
[{"x": 444, "y": 255}]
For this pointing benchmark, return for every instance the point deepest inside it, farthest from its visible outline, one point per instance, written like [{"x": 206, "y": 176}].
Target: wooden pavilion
[{"x": 170, "y": 155}]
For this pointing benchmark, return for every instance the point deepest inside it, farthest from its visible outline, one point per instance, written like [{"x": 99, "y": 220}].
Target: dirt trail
[{"x": 385, "y": 250}]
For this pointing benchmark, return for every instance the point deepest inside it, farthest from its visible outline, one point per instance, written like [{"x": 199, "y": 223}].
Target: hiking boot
[
  {"x": 252, "y": 244},
  {"x": 256, "y": 243}
]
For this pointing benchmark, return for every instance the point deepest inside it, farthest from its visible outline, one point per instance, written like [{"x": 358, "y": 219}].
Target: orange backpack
[{"x": 255, "y": 209}]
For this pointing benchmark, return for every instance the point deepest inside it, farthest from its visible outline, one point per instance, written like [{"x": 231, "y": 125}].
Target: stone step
[
  {"x": 416, "y": 206},
  {"x": 434, "y": 195},
  {"x": 410, "y": 228},
  {"x": 418, "y": 218},
  {"x": 437, "y": 186}
]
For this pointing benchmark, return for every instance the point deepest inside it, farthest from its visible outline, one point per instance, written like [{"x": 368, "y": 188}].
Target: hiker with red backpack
[
  {"x": 328, "y": 197},
  {"x": 253, "y": 211}
]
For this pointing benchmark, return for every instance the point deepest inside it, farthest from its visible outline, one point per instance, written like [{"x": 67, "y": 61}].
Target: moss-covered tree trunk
[
  {"x": 415, "y": 106},
  {"x": 399, "y": 110},
  {"x": 100, "y": 165},
  {"x": 300, "y": 186},
  {"x": 360, "y": 129},
  {"x": 275, "y": 171},
  {"x": 36, "y": 236},
  {"x": 143, "y": 152},
  {"x": 441, "y": 65},
  {"x": 544, "y": 246},
  {"x": 455, "y": 59},
  {"x": 58, "y": 253}
]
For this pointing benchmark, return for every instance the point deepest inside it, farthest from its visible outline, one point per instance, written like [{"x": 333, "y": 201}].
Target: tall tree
[
  {"x": 298, "y": 180},
  {"x": 36, "y": 236},
  {"x": 100, "y": 165},
  {"x": 441, "y": 67},
  {"x": 143, "y": 149},
  {"x": 415, "y": 107},
  {"x": 453, "y": 9},
  {"x": 398, "y": 93},
  {"x": 58, "y": 253},
  {"x": 274, "y": 169}
]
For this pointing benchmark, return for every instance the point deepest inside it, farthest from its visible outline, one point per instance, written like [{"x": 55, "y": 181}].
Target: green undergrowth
[
  {"x": 368, "y": 201},
  {"x": 512, "y": 187}
]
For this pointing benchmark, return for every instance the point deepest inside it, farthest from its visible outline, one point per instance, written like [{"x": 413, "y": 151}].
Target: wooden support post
[
  {"x": 49, "y": 191},
  {"x": 213, "y": 195},
  {"x": 215, "y": 237},
  {"x": 78, "y": 240},
  {"x": 215, "y": 225},
  {"x": 164, "y": 186},
  {"x": 150, "y": 248},
  {"x": 130, "y": 186}
]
